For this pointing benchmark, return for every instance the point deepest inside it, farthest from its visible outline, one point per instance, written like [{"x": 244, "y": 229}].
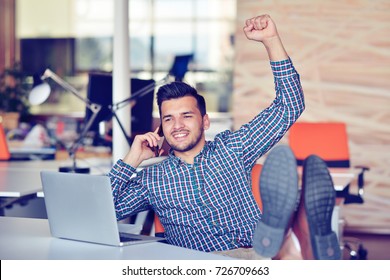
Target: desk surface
[
  {"x": 18, "y": 183},
  {"x": 94, "y": 163},
  {"x": 27, "y": 239},
  {"x": 341, "y": 177},
  {"x": 20, "y": 178}
]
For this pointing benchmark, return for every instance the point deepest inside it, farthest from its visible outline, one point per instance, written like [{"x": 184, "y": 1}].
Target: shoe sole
[
  {"x": 279, "y": 192},
  {"x": 319, "y": 201}
]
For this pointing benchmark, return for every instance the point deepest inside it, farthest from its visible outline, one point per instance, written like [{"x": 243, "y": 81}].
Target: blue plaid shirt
[{"x": 209, "y": 205}]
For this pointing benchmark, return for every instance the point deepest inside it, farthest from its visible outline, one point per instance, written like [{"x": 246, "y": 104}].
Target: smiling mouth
[{"x": 180, "y": 135}]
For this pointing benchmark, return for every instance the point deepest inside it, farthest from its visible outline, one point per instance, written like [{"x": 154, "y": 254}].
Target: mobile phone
[
  {"x": 160, "y": 131},
  {"x": 156, "y": 149}
]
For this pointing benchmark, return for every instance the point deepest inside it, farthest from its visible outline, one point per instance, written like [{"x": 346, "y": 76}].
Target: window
[{"x": 159, "y": 30}]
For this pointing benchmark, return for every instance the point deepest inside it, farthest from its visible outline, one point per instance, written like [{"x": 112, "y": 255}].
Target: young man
[{"x": 202, "y": 191}]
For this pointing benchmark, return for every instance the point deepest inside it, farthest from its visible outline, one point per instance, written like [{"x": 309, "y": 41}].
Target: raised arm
[{"x": 270, "y": 125}]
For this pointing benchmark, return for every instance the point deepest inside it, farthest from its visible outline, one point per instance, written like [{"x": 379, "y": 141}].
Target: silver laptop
[{"x": 80, "y": 207}]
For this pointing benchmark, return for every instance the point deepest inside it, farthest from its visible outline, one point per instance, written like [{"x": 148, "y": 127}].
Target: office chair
[
  {"x": 4, "y": 152},
  {"x": 328, "y": 140}
]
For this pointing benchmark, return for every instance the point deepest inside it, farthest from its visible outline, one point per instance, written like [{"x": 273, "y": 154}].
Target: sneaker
[
  {"x": 279, "y": 193},
  {"x": 319, "y": 199}
]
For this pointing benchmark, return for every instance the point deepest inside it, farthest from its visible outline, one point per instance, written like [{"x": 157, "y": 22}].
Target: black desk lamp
[
  {"x": 132, "y": 100},
  {"x": 41, "y": 92}
]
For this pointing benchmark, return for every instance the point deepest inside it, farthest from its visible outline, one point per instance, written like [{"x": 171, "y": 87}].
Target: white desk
[
  {"x": 21, "y": 178},
  {"x": 28, "y": 239},
  {"x": 342, "y": 177},
  {"x": 18, "y": 183}
]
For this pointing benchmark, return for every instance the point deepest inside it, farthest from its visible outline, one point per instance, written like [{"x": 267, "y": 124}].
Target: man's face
[{"x": 183, "y": 124}]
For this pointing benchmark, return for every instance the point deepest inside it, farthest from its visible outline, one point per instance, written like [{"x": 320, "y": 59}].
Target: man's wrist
[
  {"x": 123, "y": 170},
  {"x": 275, "y": 49}
]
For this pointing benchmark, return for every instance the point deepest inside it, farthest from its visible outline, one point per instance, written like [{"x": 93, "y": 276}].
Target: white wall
[{"x": 34, "y": 18}]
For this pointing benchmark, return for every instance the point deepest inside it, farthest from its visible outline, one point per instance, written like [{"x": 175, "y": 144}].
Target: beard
[{"x": 190, "y": 145}]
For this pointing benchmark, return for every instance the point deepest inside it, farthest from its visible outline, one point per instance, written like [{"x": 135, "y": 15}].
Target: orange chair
[
  {"x": 4, "y": 152},
  {"x": 158, "y": 227},
  {"x": 256, "y": 171},
  {"x": 328, "y": 140}
]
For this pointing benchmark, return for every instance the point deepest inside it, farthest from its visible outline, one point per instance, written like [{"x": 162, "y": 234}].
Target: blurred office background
[
  {"x": 76, "y": 36},
  {"x": 342, "y": 52},
  {"x": 340, "y": 48}
]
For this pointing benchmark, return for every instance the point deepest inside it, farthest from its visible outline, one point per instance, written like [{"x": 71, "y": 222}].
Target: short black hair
[{"x": 179, "y": 89}]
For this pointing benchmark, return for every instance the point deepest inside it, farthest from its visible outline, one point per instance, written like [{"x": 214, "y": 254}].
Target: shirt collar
[{"x": 204, "y": 153}]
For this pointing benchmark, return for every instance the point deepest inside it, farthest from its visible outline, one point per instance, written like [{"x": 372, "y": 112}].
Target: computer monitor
[
  {"x": 38, "y": 54},
  {"x": 100, "y": 92},
  {"x": 180, "y": 66}
]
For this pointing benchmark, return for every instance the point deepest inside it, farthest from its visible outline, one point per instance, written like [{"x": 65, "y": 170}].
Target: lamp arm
[
  {"x": 139, "y": 93},
  {"x": 50, "y": 74},
  {"x": 135, "y": 96},
  {"x": 95, "y": 108}
]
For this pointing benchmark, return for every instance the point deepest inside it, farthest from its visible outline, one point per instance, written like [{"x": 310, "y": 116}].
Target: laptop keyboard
[{"x": 127, "y": 238}]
